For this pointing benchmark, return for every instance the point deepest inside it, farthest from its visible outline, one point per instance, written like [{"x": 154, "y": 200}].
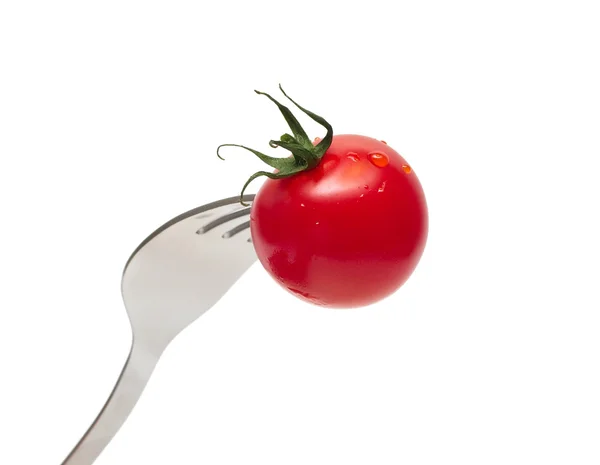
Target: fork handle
[{"x": 133, "y": 379}]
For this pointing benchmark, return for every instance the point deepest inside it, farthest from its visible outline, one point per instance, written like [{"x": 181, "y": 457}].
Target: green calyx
[{"x": 305, "y": 155}]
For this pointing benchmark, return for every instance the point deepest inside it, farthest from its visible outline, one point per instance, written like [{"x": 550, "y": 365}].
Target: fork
[{"x": 173, "y": 277}]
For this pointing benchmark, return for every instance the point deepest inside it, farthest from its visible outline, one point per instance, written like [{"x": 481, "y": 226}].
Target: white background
[{"x": 110, "y": 113}]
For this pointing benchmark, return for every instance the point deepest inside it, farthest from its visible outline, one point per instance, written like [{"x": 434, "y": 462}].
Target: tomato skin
[{"x": 347, "y": 233}]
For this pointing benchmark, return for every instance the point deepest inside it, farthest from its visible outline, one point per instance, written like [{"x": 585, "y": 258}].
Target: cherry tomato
[{"x": 347, "y": 233}]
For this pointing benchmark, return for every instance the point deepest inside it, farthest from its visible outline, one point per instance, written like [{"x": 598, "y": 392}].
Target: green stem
[{"x": 305, "y": 155}]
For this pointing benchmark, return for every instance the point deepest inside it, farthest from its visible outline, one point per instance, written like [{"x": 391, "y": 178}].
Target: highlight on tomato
[{"x": 341, "y": 222}]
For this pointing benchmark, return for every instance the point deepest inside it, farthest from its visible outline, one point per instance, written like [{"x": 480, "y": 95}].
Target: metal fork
[{"x": 174, "y": 276}]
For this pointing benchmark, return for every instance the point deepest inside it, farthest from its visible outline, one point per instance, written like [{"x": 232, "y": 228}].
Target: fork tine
[
  {"x": 233, "y": 231},
  {"x": 224, "y": 219}
]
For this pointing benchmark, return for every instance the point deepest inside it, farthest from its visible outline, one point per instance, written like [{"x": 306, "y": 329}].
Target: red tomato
[
  {"x": 347, "y": 233},
  {"x": 342, "y": 222}
]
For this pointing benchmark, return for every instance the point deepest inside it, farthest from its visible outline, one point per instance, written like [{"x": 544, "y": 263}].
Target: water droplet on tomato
[
  {"x": 365, "y": 186},
  {"x": 407, "y": 169},
  {"x": 382, "y": 187},
  {"x": 302, "y": 205},
  {"x": 353, "y": 156},
  {"x": 317, "y": 140},
  {"x": 384, "y": 142},
  {"x": 379, "y": 159}
]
